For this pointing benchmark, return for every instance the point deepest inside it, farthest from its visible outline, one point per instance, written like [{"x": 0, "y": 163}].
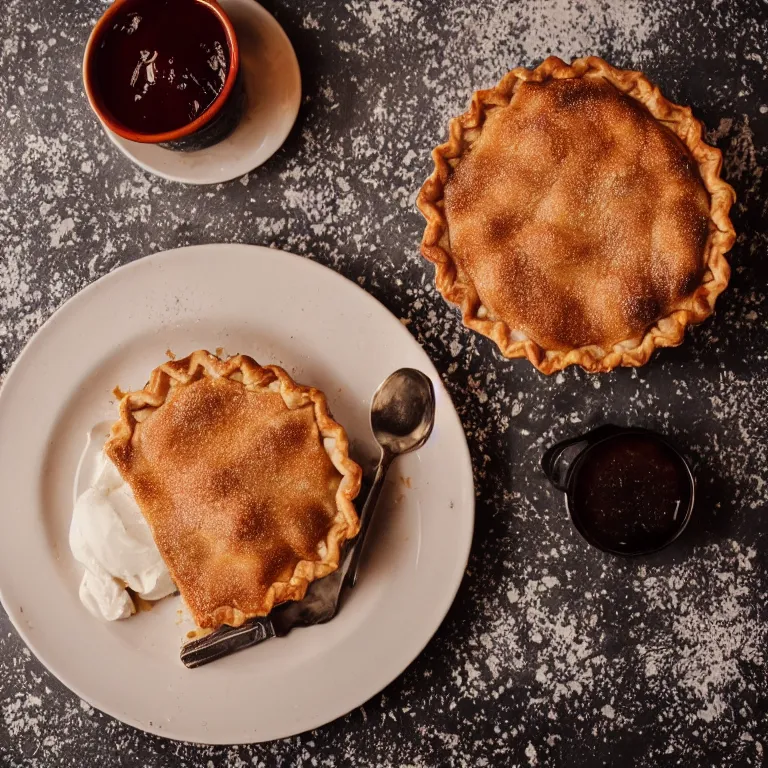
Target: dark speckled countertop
[{"x": 553, "y": 654}]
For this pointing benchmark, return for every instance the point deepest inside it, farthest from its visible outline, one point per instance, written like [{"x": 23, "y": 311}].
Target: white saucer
[
  {"x": 326, "y": 331},
  {"x": 273, "y": 91}
]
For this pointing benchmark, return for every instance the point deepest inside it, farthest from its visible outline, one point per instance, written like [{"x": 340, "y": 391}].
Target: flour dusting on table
[{"x": 553, "y": 654}]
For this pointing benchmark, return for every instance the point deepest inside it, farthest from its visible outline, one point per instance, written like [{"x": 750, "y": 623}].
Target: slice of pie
[
  {"x": 578, "y": 217},
  {"x": 244, "y": 478}
]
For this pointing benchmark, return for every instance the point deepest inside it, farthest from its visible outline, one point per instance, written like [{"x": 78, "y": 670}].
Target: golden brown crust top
[
  {"x": 576, "y": 216},
  {"x": 580, "y": 219},
  {"x": 227, "y": 462}
]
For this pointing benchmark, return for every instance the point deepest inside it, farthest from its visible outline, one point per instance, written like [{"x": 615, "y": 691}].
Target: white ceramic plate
[
  {"x": 325, "y": 331},
  {"x": 273, "y": 91}
]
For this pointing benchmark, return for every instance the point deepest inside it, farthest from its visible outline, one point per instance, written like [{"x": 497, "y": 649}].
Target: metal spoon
[{"x": 402, "y": 417}]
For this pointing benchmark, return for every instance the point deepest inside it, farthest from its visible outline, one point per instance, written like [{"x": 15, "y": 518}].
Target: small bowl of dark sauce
[
  {"x": 165, "y": 72},
  {"x": 628, "y": 490}
]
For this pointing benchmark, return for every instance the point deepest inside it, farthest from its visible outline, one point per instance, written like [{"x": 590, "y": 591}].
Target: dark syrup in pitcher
[
  {"x": 630, "y": 493},
  {"x": 161, "y": 64}
]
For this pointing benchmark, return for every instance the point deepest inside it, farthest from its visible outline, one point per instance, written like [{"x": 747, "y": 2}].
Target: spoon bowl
[{"x": 403, "y": 411}]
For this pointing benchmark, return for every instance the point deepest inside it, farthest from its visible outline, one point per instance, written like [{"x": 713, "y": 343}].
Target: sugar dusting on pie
[
  {"x": 244, "y": 478},
  {"x": 576, "y": 216}
]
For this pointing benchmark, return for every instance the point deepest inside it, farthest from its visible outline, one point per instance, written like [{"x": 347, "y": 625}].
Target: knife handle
[{"x": 226, "y": 640}]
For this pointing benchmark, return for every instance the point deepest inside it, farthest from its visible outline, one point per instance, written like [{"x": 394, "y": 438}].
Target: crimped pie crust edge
[
  {"x": 255, "y": 377},
  {"x": 667, "y": 331}
]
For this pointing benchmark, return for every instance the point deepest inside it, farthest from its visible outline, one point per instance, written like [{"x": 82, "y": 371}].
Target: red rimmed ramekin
[{"x": 213, "y": 125}]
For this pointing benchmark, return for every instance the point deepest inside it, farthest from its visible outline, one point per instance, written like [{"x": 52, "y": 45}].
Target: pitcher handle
[{"x": 556, "y": 468}]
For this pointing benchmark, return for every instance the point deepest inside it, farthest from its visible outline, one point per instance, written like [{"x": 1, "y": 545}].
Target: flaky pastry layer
[
  {"x": 244, "y": 478},
  {"x": 458, "y": 287}
]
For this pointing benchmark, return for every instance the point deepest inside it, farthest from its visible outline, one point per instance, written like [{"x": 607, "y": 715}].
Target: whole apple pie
[{"x": 576, "y": 216}]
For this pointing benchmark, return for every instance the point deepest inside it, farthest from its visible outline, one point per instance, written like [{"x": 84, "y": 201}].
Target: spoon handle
[{"x": 366, "y": 516}]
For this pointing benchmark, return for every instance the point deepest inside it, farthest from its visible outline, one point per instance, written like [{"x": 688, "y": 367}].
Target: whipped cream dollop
[{"x": 110, "y": 538}]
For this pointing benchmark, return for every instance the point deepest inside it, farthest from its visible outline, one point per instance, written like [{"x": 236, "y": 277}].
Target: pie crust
[
  {"x": 576, "y": 216},
  {"x": 244, "y": 478}
]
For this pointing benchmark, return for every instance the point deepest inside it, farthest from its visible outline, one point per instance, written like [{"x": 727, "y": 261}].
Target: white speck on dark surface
[{"x": 553, "y": 654}]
